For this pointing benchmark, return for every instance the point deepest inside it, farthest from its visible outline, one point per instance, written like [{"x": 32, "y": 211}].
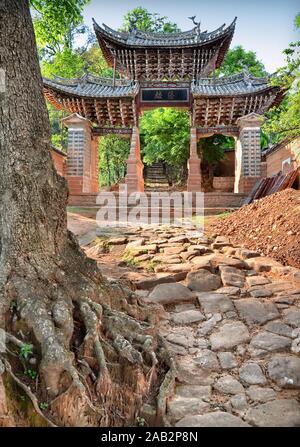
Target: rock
[
  {"x": 214, "y": 303},
  {"x": 262, "y": 263},
  {"x": 173, "y": 250},
  {"x": 203, "y": 281},
  {"x": 270, "y": 342},
  {"x": 284, "y": 370},
  {"x": 229, "y": 336},
  {"x": 251, "y": 374},
  {"x": 259, "y": 394},
  {"x": 198, "y": 391},
  {"x": 227, "y": 360},
  {"x": 239, "y": 403},
  {"x": 220, "y": 242},
  {"x": 229, "y": 290},
  {"x": 199, "y": 249},
  {"x": 219, "y": 260},
  {"x": 144, "y": 249},
  {"x": 177, "y": 268},
  {"x": 178, "y": 239},
  {"x": 256, "y": 281},
  {"x": 188, "y": 372},
  {"x": 260, "y": 293},
  {"x": 117, "y": 241},
  {"x": 180, "y": 406},
  {"x": 232, "y": 276},
  {"x": 203, "y": 262},
  {"x": 279, "y": 328},
  {"x": 150, "y": 283},
  {"x": 170, "y": 293},
  {"x": 215, "y": 419},
  {"x": 184, "y": 306},
  {"x": 244, "y": 253},
  {"x": 228, "y": 385},
  {"x": 292, "y": 316},
  {"x": 183, "y": 337},
  {"x": 187, "y": 317},
  {"x": 277, "y": 413},
  {"x": 208, "y": 325},
  {"x": 136, "y": 243},
  {"x": 207, "y": 360},
  {"x": 255, "y": 312}
]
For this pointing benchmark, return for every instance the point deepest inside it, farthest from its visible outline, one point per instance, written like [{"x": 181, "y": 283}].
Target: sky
[{"x": 264, "y": 26}]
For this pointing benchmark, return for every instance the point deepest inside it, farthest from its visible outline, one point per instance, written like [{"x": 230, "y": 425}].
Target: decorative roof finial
[{"x": 193, "y": 20}]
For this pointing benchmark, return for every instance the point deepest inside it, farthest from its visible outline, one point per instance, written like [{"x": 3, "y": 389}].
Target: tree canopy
[
  {"x": 143, "y": 20},
  {"x": 237, "y": 59}
]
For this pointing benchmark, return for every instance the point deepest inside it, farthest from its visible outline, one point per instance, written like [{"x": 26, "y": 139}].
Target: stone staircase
[{"x": 155, "y": 177}]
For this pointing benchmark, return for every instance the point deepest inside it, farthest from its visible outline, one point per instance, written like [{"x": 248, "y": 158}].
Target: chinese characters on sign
[{"x": 165, "y": 95}]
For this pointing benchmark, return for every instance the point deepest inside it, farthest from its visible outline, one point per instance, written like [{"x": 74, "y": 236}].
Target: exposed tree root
[{"x": 97, "y": 363}]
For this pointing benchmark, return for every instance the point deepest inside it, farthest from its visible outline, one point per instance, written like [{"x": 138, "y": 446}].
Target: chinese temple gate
[{"x": 162, "y": 70}]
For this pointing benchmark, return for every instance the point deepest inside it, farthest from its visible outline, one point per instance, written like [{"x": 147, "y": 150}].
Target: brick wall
[
  {"x": 284, "y": 151},
  {"x": 225, "y": 184}
]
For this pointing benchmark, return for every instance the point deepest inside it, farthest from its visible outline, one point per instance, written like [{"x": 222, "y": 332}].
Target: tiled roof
[
  {"x": 242, "y": 83},
  {"x": 138, "y": 38},
  {"x": 93, "y": 87}
]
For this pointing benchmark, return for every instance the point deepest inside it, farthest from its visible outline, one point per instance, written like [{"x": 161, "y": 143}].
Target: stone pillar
[
  {"x": 248, "y": 153},
  {"x": 194, "y": 164},
  {"x": 95, "y": 164},
  {"x": 82, "y": 163},
  {"x": 134, "y": 177}
]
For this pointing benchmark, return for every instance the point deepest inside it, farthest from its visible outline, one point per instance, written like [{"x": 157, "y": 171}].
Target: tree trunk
[{"x": 45, "y": 278}]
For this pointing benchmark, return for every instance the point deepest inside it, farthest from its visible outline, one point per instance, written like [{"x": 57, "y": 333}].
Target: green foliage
[
  {"x": 54, "y": 21},
  {"x": 237, "y": 59},
  {"x": 113, "y": 153},
  {"x": 212, "y": 149},
  {"x": 143, "y": 20},
  {"x": 44, "y": 406},
  {"x": 284, "y": 121},
  {"x": 31, "y": 374},
  {"x": 25, "y": 351},
  {"x": 165, "y": 134}
]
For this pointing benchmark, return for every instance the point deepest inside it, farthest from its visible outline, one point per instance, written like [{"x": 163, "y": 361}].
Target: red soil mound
[{"x": 270, "y": 225}]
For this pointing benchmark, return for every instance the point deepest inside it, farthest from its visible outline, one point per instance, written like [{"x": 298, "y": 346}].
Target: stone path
[{"x": 232, "y": 322}]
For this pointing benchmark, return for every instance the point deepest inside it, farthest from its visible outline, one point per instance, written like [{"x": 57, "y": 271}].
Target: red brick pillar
[
  {"x": 194, "y": 164},
  {"x": 82, "y": 162},
  {"x": 248, "y": 168},
  {"x": 134, "y": 177},
  {"x": 95, "y": 164}
]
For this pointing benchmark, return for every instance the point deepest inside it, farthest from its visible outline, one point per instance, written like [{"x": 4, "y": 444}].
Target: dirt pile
[{"x": 270, "y": 225}]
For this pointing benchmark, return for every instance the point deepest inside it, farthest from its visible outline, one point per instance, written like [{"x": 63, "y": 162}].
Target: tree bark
[{"x": 44, "y": 272}]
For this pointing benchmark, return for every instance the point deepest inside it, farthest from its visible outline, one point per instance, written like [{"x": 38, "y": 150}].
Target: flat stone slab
[
  {"x": 256, "y": 312},
  {"x": 279, "y": 328},
  {"x": 212, "y": 303},
  {"x": 284, "y": 370},
  {"x": 232, "y": 276},
  {"x": 228, "y": 385},
  {"x": 219, "y": 260},
  {"x": 170, "y": 293},
  {"x": 189, "y": 373},
  {"x": 260, "y": 293},
  {"x": 292, "y": 316},
  {"x": 256, "y": 281},
  {"x": 270, "y": 342},
  {"x": 229, "y": 336},
  {"x": 207, "y": 359},
  {"x": 216, "y": 419},
  {"x": 227, "y": 360},
  {"x": 263, "y": 263},
  {"x": 252, "y": 374},
  {"x": 230, "y": 290},
  {"x": 207, "y": 326},
  {"x": 260, "y": 394},
  {"x": 198, "y": 391},
  {"x": 181, "y": 406},
  {"x": 277, "y": 413},
  {"x": 203, "y": 281},
  {"x": 187, "y": 317}
]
